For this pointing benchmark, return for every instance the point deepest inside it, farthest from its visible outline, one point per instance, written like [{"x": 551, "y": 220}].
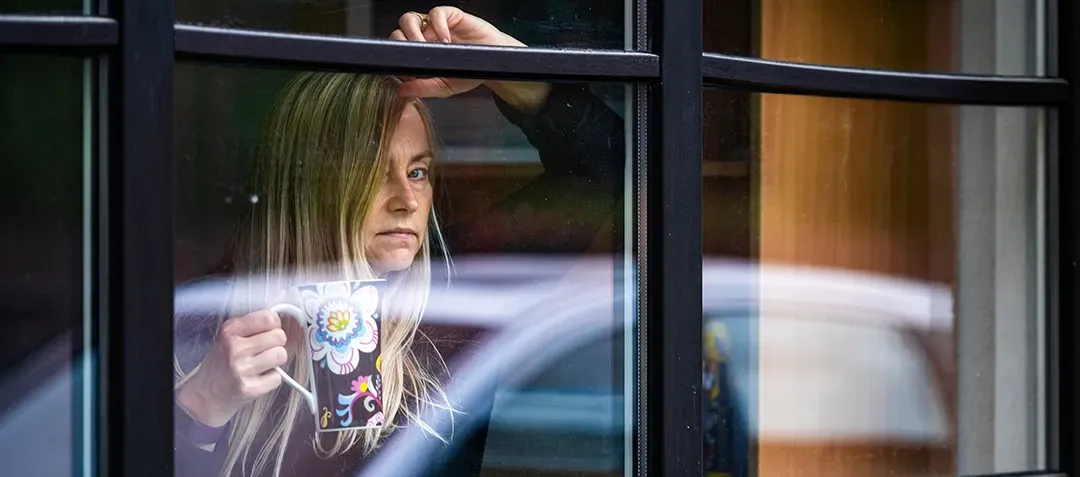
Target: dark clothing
[{"x": 580, "y": 143}]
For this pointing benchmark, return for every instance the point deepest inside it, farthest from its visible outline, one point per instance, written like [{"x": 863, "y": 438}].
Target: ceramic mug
[{"x": 341, "y": 322}]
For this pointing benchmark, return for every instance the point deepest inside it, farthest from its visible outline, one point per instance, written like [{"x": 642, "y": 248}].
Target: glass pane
[
  {"x": 551, "y": 23},
  {"x": 288, "y": 179},
  {"x": 869, "y": 265},
  {"x": 54, "y": 7},
  {"x": 44, "y": 382},
  {"x": 968, "y": 36}
]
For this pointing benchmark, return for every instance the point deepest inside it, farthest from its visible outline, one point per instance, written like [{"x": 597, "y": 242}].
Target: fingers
[
  {"x": 240, "y": 351},
  {"x": 256, "y": 386},
  {"x": 250, "y": 358},
  {"x": 254, "y": 345},
  {"x": 267, "y": 360},
  {"x": 239, "y": 368},
  {"x": 251, "y": 324},
  {"x": 410, "y": 25},
  {"x": 439, "y": 20}
]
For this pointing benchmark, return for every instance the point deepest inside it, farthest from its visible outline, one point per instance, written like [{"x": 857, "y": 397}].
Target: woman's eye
[{"x": 418, "y": 173}]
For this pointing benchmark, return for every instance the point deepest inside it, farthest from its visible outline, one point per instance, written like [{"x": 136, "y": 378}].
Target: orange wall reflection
[{"x": 859, "y": 185}]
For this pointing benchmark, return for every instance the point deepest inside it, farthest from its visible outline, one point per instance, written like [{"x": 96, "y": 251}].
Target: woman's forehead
[{"x": 410, "y": 140}]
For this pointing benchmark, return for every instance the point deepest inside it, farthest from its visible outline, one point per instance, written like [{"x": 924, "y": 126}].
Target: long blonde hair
[{"x": 318, "y": 166}]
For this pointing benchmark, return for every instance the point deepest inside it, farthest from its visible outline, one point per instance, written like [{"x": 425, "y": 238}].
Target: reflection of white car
[
  {"x": 809, "y": 355},
  {"x": 812, "y": 355},
  {"x": 843, "y": 357},
  {"x": 553, "y": 352}
]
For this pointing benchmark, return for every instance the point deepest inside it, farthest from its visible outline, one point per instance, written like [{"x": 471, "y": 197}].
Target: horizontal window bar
[
  {"x": 312, "y": 51},
  {"x": 753, "y": 74},
  {"x": 1022, "y": 474},
  {"x": 52, "y": 31}
]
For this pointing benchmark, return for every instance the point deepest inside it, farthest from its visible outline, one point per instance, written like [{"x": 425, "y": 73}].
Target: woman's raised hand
[
  {"x": 238, "y": 368},
  {"x": 446, "y": 25},
  {"x": 451, "y": 25}
]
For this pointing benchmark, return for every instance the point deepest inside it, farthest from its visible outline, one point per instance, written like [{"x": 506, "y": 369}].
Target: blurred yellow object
[{"x": 716, "y": 343}]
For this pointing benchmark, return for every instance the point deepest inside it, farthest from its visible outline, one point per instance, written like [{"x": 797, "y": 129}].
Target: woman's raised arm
[{"x": 579, "y": 139}]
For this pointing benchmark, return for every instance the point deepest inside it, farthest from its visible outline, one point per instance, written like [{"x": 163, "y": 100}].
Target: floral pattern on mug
[
  {"x": 366, "y": 389},
  {"x": 376, "y": 420},
  {"x": 343, "y": 324}
]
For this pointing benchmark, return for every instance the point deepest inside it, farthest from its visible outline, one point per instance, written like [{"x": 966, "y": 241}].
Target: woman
[{"x": 344, "y": 169}]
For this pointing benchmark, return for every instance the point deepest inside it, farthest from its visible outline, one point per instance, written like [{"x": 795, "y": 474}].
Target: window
[
  {"x": 561, "y": 23},
  {"x": 528, "y": 301},
  {"x": 964, "y": 36},
  {"x": 54, "y": 7},
  {"x": 48, "y": 358},
  {"x": 872, "y": 281},
  {"x": 861, "y": 235}
]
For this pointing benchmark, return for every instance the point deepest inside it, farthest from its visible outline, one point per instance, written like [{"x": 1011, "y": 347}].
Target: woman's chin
[{"x": 389, "y": 265}]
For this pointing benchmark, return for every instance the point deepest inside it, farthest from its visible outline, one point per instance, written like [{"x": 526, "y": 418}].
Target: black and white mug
[{"x": 341, "y": 322}]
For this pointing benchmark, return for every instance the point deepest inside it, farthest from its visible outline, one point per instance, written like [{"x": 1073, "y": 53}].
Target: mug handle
[{"x": 298, "y": 314}]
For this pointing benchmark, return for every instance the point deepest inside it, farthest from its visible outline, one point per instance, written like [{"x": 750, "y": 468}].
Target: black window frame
[{"x": 135, "y": 44}]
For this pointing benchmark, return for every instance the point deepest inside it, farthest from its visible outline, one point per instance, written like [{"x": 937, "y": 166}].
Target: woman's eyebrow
[{"x": 423, "y": 155}]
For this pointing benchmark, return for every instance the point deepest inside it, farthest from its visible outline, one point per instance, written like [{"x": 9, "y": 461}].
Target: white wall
[{"x": 999, "y": 296}]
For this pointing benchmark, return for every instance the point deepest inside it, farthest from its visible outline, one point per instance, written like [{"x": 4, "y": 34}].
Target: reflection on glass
[
  {"x": 490, "y": 362},
  {"x": 553, "y": 23},
  {"x": 42, "y": 347},
  {"x": 969, "y": 36},
  {"x": 871, "y": 289}
]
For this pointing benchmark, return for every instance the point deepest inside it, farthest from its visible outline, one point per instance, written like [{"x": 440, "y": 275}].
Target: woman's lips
[
  {"x": 398, "y": 235},
  {"x": 402, "y": 234}
]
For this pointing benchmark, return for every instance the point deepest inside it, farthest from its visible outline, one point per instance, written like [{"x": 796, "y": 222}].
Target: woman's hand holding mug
[
  {"x": 238, "y": 368},
  {"x": 342, "y": 353},
  {"x": 451, "y": 25}
]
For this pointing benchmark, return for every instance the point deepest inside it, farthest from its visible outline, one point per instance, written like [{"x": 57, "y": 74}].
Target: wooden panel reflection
[{"x": 859, "y": 185}]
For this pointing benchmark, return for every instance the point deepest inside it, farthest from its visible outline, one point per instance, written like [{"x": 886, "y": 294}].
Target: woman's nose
[{"x": 402, "y": 196}]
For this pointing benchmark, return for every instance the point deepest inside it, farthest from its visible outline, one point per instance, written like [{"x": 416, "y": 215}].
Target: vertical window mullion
[
  {"x": 137, "y": 298},
  {"x": 674, "y": 238},
  {"x": 1063, "y": 330}
]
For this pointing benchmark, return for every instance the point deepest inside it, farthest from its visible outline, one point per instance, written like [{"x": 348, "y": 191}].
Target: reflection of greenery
[{"x": 41, "y": 109}]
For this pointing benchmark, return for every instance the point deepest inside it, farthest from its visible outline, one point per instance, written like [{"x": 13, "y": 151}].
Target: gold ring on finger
[{"x": 423, "y": 20}]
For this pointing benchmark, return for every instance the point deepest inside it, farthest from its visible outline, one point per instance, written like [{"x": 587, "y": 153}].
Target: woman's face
[{"x": 398, "y": 220}]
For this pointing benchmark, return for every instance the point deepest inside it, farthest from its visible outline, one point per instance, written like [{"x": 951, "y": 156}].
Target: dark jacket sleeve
[
  {"x": 580, "y": 141},
  {"x": 197, "y": 315},
  {"x": 192, "y": 461}
]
